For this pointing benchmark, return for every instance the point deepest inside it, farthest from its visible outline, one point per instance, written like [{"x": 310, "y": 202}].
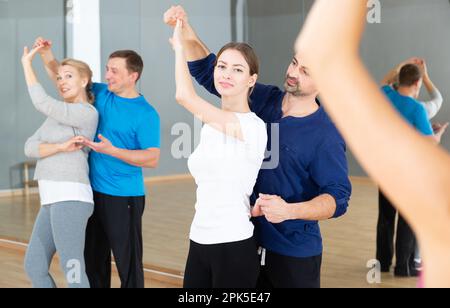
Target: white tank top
[{"x": 225, "y": 170}]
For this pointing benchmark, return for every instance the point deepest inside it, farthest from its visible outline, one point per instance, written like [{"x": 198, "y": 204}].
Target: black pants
[
  {"x": 288, "y": 272},
  {"x": 405, "y": 245},
  {"x": 230, "y": 265},
  {"x": 115, "y": 225}
]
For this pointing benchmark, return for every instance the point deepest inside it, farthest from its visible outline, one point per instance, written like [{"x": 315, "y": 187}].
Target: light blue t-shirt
[
  {"x": 131, "y": 124},
  {"x": 412, "y": 110}
]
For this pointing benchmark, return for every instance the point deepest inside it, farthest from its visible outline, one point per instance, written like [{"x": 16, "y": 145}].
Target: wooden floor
[
  {"x": 349, "y": 242},
  {"x": 13, "y": 276}
]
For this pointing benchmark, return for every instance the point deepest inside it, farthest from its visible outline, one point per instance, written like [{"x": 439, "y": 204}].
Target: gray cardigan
[{"x": 64, "y": 122}]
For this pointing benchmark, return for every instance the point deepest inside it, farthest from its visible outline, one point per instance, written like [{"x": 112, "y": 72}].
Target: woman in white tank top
[{"x": 225, "y": 166}]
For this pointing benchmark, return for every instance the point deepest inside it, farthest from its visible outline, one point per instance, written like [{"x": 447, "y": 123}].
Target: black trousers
[
  {"x": 405, "y": 245},
  {"x": 289, "y": 272},
  {"x": 116, "y": 226},
  {"x": 230, "y": 265}
]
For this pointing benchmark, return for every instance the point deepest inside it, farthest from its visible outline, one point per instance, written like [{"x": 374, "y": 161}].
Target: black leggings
[{"x": 230, "y": 265}]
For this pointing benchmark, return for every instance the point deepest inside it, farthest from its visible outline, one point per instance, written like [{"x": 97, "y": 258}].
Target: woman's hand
[
  {"x": 27, "y": 60},
  {"x": 28, "y": 56},
  {"x": 256, "y": 211},
  {"x": 176, "y": 40},
  {"x": 46, "y": 45},
  {"x": 72, "y": 145},
  {"x": 439, "y": 130},
  {"x": 173, "y": 14}
]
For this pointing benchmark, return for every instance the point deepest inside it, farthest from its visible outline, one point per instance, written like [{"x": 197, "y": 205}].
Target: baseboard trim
[
  {"x": 168, "y": 178},
  {"x": 17, "y": 192}
]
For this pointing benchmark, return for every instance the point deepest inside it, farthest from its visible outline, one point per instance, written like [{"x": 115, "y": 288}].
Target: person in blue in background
[
  {"x": 309, "y": 184},
  {"x": 405, "y": 100},
  {"x": 128, "y": 139}
]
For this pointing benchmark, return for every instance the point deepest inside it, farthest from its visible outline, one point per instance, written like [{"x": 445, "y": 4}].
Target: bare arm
[
  {"x": 429, "y": 85},
  {"x": 322, "y": 207},
  {"x": 27, "y": 64},
  {"x": 140, "y": 158},
  {"x": 50, "y": 63},
  {"x": 276, "y": 210},
  {"x": 392, "y": 77},
  {"x": 194, "y": 48},
  {"x": 48, "y": 149},
  {"x": 224, "y": 121},
  {"x": 417, "y": 184},
  {"x": 148, "y": 158},
  {"x": 434, "y": 104},
  {"x": 38, "y": 149}
]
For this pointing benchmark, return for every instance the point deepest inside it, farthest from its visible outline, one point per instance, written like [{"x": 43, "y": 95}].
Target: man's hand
[
  {"x": 274, "y": 208},
  {"x": 104, "y": 146},
  {"x": 439, "y": 130}
]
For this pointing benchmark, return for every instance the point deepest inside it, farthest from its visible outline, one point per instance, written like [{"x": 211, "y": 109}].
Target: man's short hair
[
  {"x": 409, "y": 75},
  {"x": 135, "y": 64}
]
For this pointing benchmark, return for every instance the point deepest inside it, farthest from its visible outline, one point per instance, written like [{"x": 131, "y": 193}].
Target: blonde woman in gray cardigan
[{"x": 62, "y": 172}]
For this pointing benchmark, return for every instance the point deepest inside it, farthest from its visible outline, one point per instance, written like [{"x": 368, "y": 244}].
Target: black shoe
[
  {"x": 414, "y": 272},
  {"x": 385, "y": 269},
  {"x": 402, "y": 272}
]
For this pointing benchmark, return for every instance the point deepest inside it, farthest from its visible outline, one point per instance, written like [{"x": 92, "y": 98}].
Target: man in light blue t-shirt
[
  {"x": 404, "y": 99},
  {"x": 128, "y": 139}
]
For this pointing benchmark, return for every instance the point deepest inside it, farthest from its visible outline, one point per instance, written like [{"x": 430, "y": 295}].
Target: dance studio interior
[{"x": 398, "y": 34}]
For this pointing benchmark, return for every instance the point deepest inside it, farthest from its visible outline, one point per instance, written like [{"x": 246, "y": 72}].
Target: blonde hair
[{"x": 86, "y": 72}]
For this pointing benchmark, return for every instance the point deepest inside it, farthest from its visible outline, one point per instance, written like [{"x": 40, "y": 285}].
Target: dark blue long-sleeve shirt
[{"x": 312, "y": 162}]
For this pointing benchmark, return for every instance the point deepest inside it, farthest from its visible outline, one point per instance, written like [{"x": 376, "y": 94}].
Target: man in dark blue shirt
[{"x": 304, "y": 181}]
